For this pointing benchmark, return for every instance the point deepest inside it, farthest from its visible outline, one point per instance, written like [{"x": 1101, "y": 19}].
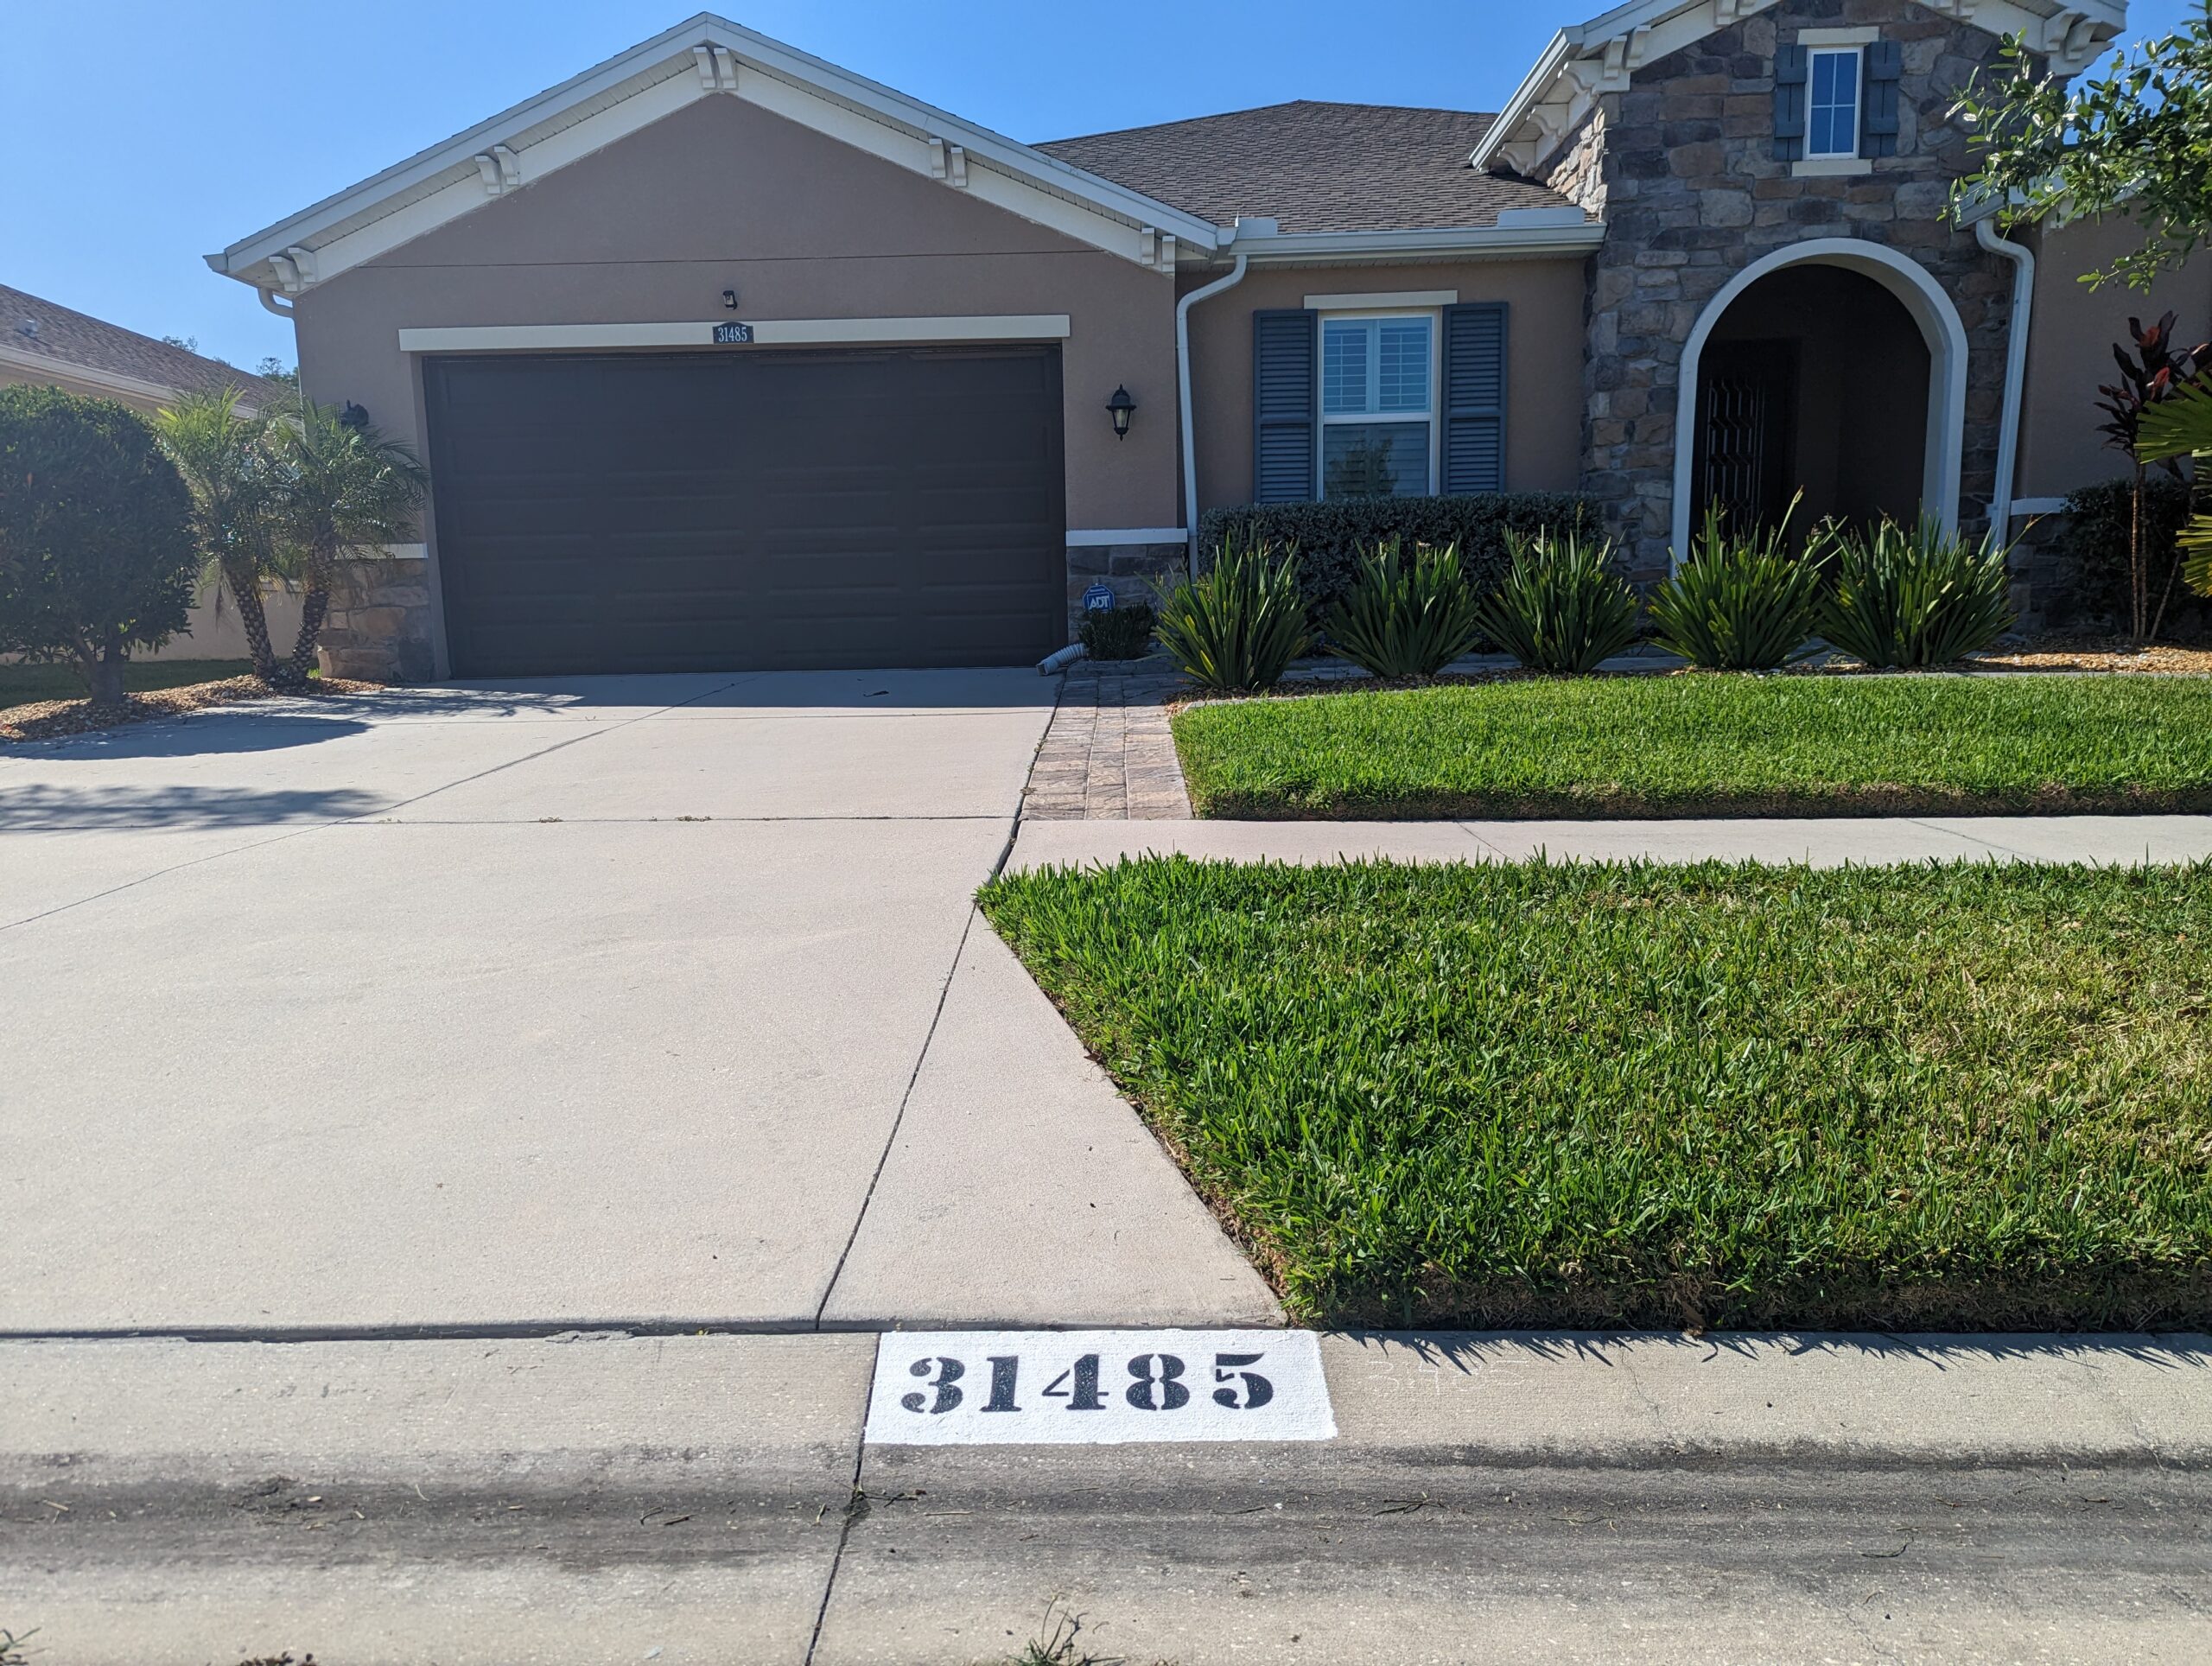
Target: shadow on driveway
[
  {"x": 43, "y": 808},
  {"x": 211, "y": 735}
]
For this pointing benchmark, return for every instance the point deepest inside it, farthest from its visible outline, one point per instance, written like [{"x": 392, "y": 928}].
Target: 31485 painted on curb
[{"x": 1096, "y": 1387}]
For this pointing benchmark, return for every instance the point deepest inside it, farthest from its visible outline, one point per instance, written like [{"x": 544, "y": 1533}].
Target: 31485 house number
[{"x": 1097, "y": 1387}]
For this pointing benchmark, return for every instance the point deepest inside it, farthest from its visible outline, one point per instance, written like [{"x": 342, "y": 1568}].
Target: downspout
[
  {"x": 1183, "y": 398},
  {"x": 2015, "y": 374}
]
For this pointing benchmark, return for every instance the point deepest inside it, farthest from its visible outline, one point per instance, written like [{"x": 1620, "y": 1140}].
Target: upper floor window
[
  {"x": 1832, "y": 110},
  {"x": 1378, "y": 406}
]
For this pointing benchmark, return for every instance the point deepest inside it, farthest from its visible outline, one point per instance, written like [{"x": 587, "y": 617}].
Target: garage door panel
[{"x": 750, "y": 510}]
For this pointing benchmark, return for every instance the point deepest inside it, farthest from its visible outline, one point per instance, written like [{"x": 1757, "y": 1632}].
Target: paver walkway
[{"x": 1109, "y": 755}]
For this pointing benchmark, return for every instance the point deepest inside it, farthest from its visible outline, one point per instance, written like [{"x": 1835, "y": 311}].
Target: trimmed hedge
[
  {"x": 2096, "y": 537},
  {"x": 1332, "y": 537}
]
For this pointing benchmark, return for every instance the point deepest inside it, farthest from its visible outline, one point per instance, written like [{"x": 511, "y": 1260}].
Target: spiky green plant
[
  {"x": 1743, "y": 601},
  {"x": 2182, "y": 423},
  {"x": 1241, "y": 625},
  {"x": 1562, "y": 607},
  {"x": 1405, "y": 616},
  {"x": 1914, "y": 596}
]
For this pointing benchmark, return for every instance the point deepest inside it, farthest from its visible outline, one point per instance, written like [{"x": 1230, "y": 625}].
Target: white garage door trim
[{"x": 770, "y": 333}]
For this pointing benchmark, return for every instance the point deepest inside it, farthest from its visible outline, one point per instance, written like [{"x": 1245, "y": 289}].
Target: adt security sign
[
  {"x": 1096, "y": 1387},
  {"x": 1098, "y": 599}
]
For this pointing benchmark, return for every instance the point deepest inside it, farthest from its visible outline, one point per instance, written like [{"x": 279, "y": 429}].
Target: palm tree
[
  {"x": 2179, "y": 425},
  {"x": 237, "y": 480},
  {"x": 344, "y": 486}
]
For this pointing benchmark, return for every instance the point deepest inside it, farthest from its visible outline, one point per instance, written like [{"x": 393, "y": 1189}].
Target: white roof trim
[
  {"x": 705, "y": 57},
  {"x": 773, "y": 332},
  {"x": 1519, "y": 232},
  {"x": 1600, "y": 55}
]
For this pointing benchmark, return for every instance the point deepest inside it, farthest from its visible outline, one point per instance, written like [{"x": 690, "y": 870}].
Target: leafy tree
[
  {"x": 2137, "y": 138},
  {"x": 273, "y": 369},
  {"x": 344, "y": 485},
  {"x": 96, "y": 548},
  {"x": 236, "y": 476}
]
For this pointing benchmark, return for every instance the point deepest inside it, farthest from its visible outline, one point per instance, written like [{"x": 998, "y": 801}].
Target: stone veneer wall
[
  {"x": 1128, "y": 568},
  {"x": 1578, "y": 174},
  {"x": 1686, "y": 171},
  {"x": 379, "y": 624}
]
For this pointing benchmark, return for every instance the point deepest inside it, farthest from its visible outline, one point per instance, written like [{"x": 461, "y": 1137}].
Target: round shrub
[{"x": 96, "y": 550}]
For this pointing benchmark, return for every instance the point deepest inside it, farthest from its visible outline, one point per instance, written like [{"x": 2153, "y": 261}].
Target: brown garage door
[{"x": 749, "y": 509}]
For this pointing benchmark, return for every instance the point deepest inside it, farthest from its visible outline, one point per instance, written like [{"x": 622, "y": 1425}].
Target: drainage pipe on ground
[
  {"x": 2016, "y": 372},
  {"x": 1182, "y": 401}
]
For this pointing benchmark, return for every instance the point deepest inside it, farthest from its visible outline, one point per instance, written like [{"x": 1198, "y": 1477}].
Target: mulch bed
[
  {"x": 2038, "y": 654},
  {"x": 47, "y": 720},
  {"x": 2114, "y": 654}
]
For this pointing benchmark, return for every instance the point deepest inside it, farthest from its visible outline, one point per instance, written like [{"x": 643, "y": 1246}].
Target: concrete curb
[
  {"x": 707, "y": 1498},
  {"x": 211, "y": 1413}
]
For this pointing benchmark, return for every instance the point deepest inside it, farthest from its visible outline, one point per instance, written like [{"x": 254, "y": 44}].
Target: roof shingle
[
  {"x": 1313, "y": 167},
  {"x": 31, "y": 325}
]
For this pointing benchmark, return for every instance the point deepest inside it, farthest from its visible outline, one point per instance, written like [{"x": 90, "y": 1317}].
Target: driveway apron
[{"x": 589, "y": 1003}]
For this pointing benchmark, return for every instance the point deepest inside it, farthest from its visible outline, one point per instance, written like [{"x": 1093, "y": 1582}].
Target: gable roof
[
  {"x": 706, "y": 56},
  {"x": 1600, "y": 55},
  {"x": 38, "y": 336},
  {"x": 1313, "y": 167}
]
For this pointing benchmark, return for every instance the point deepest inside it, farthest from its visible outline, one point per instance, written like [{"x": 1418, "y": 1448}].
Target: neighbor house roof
[
  {"x": 1313, "y": 167},
  {"x": 39, "y": 335}
]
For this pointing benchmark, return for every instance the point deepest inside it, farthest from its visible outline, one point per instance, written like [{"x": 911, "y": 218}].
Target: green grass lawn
[
  {"x": 1708, "y": 745},
  {"x": 1961, "y": 1098},
  {"x": 21, "y": 684}
]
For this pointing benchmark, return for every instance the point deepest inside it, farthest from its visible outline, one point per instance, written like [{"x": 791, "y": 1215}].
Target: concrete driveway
[{"x": 604, "y": 1002}]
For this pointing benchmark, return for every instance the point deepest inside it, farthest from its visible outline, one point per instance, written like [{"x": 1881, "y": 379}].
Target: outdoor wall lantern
[
  {"x": 729, "y": 300},
  {"x": 354, "y": 416},
  {"x": 1119, "y": 408}
]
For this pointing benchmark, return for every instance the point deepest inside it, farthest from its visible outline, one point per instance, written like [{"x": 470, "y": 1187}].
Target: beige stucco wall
[
  {"x": 213, "y": 631},
  {"x": 1543, "y": 366},
  {"x": 725, "y": 195},
  {"x": 2071, "y": 340}
]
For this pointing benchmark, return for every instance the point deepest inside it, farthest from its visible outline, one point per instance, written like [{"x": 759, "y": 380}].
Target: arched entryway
[{"x": 1834, "y": 366}]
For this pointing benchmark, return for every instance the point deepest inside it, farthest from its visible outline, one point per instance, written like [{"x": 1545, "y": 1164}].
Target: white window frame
[
  {"x": 1858, "y": 56},
  {"x": 1435, "y": 320}
]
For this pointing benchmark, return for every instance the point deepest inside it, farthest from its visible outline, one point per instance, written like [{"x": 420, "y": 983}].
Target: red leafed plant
[{"x": 2158, "y": 369}]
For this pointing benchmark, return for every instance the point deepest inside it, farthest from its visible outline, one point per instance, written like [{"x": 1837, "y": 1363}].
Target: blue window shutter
[
  {"x": 1877, "y": 114},
  {"x": 1790, "y": 73},
  {"x": 1474, "y": 398},
  {"x": 1286, "y": 398}
]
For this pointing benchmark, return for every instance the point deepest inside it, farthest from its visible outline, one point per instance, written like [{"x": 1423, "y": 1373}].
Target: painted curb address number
[{"x": 1096, "y": 1387}]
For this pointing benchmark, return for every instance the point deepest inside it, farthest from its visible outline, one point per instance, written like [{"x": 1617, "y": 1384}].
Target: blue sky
[{"x": 140, "y": 136}]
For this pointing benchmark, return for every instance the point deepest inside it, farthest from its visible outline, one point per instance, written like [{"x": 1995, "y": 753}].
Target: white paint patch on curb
[{"x": 1096, "y": 1387}]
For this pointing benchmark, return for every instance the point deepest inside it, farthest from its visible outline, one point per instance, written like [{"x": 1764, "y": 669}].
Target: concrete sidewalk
[
  {"x": 2108, "y": 840},
  {"x": 1489, "y": 1496}
]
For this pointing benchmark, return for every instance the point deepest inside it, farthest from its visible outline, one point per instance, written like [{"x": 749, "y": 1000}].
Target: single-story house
[
  {"x": 722, "y": 355},
  {"x": 53, "y": 345}
]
